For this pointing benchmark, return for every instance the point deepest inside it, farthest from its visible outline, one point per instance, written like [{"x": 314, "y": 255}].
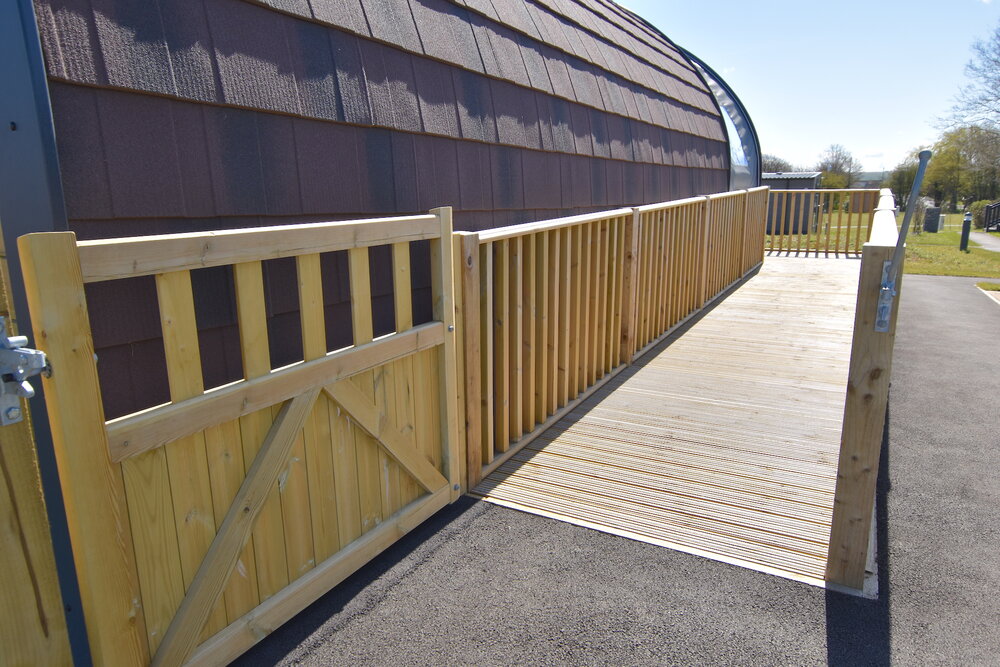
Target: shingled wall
[{"x": 179, "y": 115}]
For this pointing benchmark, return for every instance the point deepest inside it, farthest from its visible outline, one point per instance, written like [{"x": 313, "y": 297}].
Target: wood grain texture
[
  {"x": 443, "y": 299},
  {"x": 724, "y": 443},
  {"x": 112, "y": 259},
  {"x": 368, "y": 463},
  {"x": 269, "y": 533},
  {"x": 864, "y": 420},
  {"x": 132, "y": 435},
  {"x": 222, "y": 556},
  {"x": 472, "y": 337},
  {"x": 187, "y": 459},
  {"x": 92, "y": 486},
  {"x": 247, "y": 631},
  {"x": 32, "y": 623},
  {"x": 317, "y": 434}
]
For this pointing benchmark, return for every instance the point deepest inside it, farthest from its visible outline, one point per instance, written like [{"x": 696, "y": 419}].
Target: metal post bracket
[
  {"x": 18, "y": 363},
  {"x": 887, "y": 293}
]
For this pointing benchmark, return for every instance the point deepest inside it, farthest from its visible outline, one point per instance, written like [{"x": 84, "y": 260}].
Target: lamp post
[{"x": 966, "y": 227}]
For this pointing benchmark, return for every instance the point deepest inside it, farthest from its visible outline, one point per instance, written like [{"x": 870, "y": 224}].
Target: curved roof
[{"x": 174, "y": 114}]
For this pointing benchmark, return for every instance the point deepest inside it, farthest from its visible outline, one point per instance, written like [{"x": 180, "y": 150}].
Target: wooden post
[
  {"x": 630, "y": 291},
  {"x": 864, "y": 419},
  {"x": 706, "y": 221},
  {"x": 93, "y": 489},
  {"x": 443, "y": 295},
  {"x": 471, "y": 336},
  {"x": 745, "y": 198},
  {"x": 32, "y": 623}
]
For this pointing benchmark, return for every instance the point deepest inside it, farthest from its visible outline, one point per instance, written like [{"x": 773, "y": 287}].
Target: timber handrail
[
  {"x": 511, "y": 231},
  {"x": 113, "y": 259},
  {"x": 864, "y": 409}
]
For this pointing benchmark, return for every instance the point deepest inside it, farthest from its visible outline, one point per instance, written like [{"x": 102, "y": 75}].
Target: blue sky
[{"x": 873, "y": 76}]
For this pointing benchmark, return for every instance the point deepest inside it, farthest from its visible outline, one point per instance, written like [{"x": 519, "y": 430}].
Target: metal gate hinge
[{"x": 17, "y": 364}]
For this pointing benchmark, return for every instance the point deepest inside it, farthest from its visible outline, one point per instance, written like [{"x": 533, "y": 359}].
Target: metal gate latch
[{"x": 17, "y": 364}]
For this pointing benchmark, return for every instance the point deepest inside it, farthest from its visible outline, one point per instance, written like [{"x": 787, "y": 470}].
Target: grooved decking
[{"x": 723, "y": 442}]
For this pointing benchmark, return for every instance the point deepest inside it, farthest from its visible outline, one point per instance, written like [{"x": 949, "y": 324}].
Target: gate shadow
[{"x": 376, "y": 578}]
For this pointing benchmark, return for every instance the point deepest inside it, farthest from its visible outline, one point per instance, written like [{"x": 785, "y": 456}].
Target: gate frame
[{"x": 94, "y": 486}]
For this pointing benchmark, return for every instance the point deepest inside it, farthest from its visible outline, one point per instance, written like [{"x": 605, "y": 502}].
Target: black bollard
[{"x": 966, "y": 228}]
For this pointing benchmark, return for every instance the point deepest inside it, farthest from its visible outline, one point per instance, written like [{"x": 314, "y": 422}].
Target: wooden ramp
[{"x": 723, "y": 440}]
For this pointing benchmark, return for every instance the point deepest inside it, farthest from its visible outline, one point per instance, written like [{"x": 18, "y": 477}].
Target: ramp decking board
[{"x": 723, "y": 441}]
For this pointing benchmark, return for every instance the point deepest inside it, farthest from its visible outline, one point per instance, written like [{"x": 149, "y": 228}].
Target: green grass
[
  {"x": 938, "y": 254},
  {"x": 941, "y": 260},
  {"x": 949, "y": 237},
  {"x": 989, "y": 287}
]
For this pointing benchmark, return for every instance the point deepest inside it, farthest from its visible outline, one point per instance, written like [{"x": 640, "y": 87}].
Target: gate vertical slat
[
  {"x": 95, "y": 494},
  {"x": 404, "y": 387},
  {"x": 369, "y": 481},
  {"x": 268, "y": 534},
  {"x": 187, "y": 461},
  {"x": 318, "y": 431}
]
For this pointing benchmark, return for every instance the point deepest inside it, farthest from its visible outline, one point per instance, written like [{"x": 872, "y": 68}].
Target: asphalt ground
[{"x": 479, "y": 584}]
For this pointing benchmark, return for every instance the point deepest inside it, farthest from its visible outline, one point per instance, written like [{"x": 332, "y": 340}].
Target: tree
[
  {"x": 773, "y": 163},
  {"x": 839, "y": 167},
  {"x": 900, "y": 181},
  {"x": 965, "y": 166},
  {"x": 979, "y": 103},
  {"x": 942, "y": 180}
]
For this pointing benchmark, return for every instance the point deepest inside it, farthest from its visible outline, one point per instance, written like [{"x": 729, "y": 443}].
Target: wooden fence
[
  {"x": 200, "y": 525},
  {"x": 550, "y": 311},
  {"x": 864, "y": 410},
  {"x": 827, "y": 222}
]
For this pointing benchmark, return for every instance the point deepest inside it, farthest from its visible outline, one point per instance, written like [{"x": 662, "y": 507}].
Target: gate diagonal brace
[{"x": 18, "y": 363}]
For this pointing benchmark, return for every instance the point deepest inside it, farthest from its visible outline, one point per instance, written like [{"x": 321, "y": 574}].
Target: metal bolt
[
  {"x": 451, "y": 327},
  {"x": 13, "y": 414},
  {"x": 456, "y": 487}
]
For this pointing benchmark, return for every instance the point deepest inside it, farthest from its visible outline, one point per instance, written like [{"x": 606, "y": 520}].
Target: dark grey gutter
[{"x": 31, "y": 200}]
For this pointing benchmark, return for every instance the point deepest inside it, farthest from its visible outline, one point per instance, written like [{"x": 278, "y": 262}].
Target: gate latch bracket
[
  {"x": 18, "y": 363},
  {"x": 886, "y": 295}
]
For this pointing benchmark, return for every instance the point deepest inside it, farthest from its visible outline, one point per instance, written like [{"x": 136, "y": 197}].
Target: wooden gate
[{"x": 200, "y": 525}]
